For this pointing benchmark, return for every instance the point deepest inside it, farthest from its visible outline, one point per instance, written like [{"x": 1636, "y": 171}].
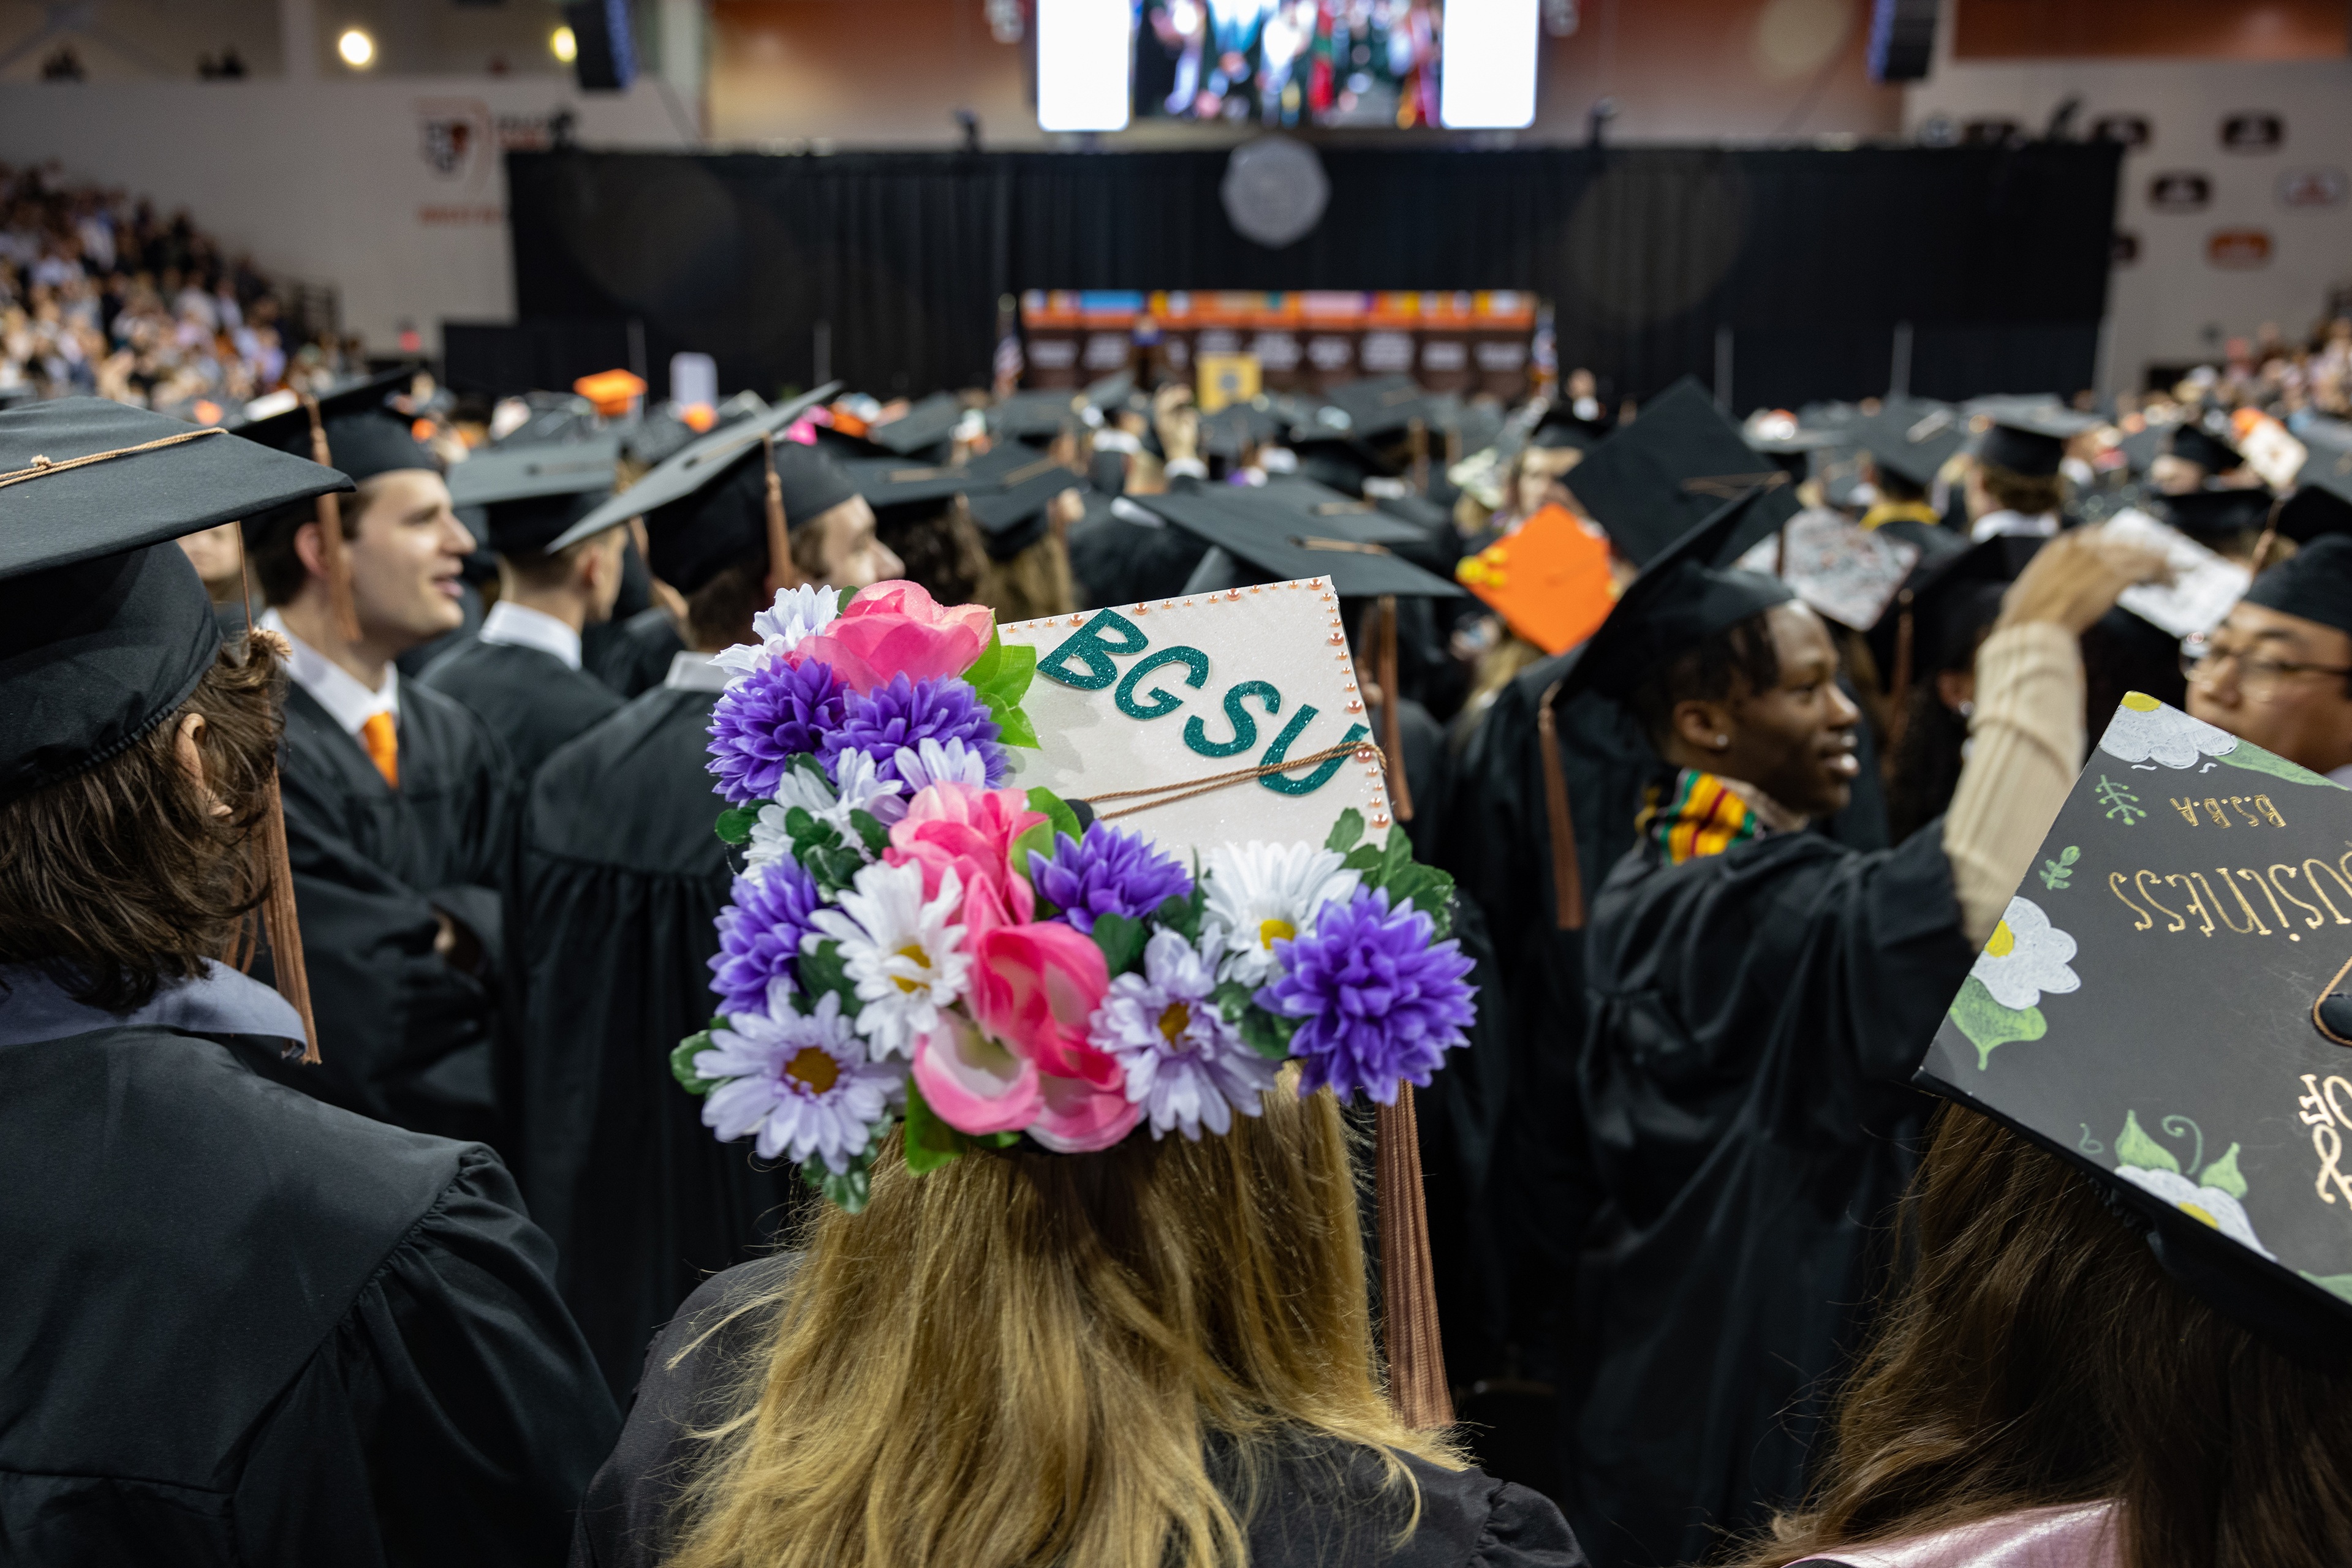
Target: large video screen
[{"x": 1289, "y": 62}]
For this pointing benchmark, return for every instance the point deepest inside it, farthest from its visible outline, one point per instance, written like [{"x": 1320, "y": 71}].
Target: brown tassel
[
  {"x": 1417, "y": 433},
  {"x": 1898, "y": 711},
  {"x": 331, "y": 561},
  {"x": 780, "y": 542},
  {"x": 1416, "y": 1356},
  {"x": 1567, "y": 875},
  {"x": 1385, "y": 643},
  {"x": 2268, "y": 540},
  {"x": 284, "y": 925}
]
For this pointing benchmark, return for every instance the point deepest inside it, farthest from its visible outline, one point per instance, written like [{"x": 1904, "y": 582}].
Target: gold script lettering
[{"x": 2116, "y": 887}]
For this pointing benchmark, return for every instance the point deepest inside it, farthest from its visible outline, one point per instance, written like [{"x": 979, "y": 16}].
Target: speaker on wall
[
  {"x": 1902, "y": 39},
  {"x": 606, "y": 60}
]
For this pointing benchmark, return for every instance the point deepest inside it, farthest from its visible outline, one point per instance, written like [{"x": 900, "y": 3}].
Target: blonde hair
[
  {"x": 1023, "y": 1359},
  {"x": 1034, "y": 583}
]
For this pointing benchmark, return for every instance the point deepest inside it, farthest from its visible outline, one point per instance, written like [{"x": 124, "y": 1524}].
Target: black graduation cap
[
  {"x": 1681, "y": 598},
  {"x": 1656, "y": 479},
  {"x": 1961, "y": 595},
  {"x": 2219, "y": 512},
  {"x": 1112, "y": 391},
  {"x": 553, "y": 417},
  {"x": 364, "y": 436},
  {"x": 2202, "y": 441},
  {"x": 921, "y": 429},
  {"x": 657, "y": 437},
  {"x": 1912, "y": 439},
  {"x": 1558, "y": 428},
  {"x": 2142, "y": 447},
  {"x": 1380, "y": 405},
  {"x": 2162, "y": 1006},
  {"x": 104, "y": 626},
  {"x": 529, "y": 496},
  {"x": 1037, "y": 416},
  {"x": 1012, "y": 518},
  {"x": 2316, "y": 583},
  {"x": 2029, "y": 438},
  {"x": 1254, "y": 541},
  {"x": 2321, "y": 502},
  {"x": 1285, "y": 503}
]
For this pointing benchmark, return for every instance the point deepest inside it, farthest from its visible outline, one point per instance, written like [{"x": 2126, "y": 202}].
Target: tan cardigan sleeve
[{"x": 2026, "y": 746}]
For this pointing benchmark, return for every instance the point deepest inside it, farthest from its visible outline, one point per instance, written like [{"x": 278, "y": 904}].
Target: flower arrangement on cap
[{"x": 910, "y": 939}]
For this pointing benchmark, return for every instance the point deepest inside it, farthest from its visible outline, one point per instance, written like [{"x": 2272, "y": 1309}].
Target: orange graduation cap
[
  {"x": 1549, "y": 580},
  {"x": 611, "y": 390}
]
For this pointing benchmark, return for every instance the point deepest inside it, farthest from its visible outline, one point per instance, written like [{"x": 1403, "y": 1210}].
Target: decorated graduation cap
[
  {"x": 1849, "y": 573},
  {"x": 529, "y": 496},
  {"x": 711, "y": 503},
  {"x": 1912, "y": 439},
  {"x": 1548, "y": 580},
  {"x": 1655, "y": 480},
  {"x": 105, "y": 628},
  {"x": 2029, "y": 438},
  {"x": 2165, "y": 1005}
]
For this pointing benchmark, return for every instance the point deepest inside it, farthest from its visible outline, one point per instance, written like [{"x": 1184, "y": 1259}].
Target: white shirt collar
[
  {"x": 334, "y": 688},
  {"x": 692, "y": 672},
  {"x": 1994, "y": 523},
  {"x": 520, "y": 626}
]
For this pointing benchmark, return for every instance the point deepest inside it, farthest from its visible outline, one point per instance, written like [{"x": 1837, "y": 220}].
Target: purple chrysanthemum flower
[
  {"x": 760, "y": 934},
  {"x": 907, "y": 712},
  {"x": 764, "y": 717},
  {"x": 1375, "y": 1001},
  {"x": 1110, "y": 871}
]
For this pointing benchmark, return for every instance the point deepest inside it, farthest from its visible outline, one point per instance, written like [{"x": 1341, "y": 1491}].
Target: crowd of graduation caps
[{"x": 507, "y": 881}]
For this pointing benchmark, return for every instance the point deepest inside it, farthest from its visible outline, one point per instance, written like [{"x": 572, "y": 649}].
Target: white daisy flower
[
  {"x": 2209, "y": 1204},
  {"x": 1264, "y": 894},
  {"x": 929, "y": 762},
  {"x": 801, "y": 1081},
  {"x": 904, "y": 956},
  {"x": 797, "y": 613},
  {"x": 856, "y": 789},
  {"x": 1185, "y": 1065},
  {"x": 2145, "y": 731},
  {"x": 2026, "y": 956}
]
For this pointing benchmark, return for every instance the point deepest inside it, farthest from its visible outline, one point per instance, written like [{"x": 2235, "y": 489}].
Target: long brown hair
[
  {"x": 121, "y": 877},
  {"x": 2040, "y": 1356},
  {"x": 1023, "y": 1358}
]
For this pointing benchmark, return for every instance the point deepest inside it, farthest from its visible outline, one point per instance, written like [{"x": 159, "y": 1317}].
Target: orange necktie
[{"x": 382, "y": 743}]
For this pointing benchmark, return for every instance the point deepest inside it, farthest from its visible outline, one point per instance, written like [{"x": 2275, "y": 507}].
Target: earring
[{"x": 1722, "y": 741}]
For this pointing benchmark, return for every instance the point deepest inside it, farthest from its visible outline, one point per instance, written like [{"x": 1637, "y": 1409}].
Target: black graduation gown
[
  {"x": 241, "y": 1327},
  {"x": 632, "y": 656},
  {"x": 1116, "y": 561},
  {"x": 622, "y": 877},
  {"x": 532, "y": 700},
  {"x": 408, "y": 1037},
  {"x": 1321, "y": 1506},
  {"x": 1756, "y": 1018}
]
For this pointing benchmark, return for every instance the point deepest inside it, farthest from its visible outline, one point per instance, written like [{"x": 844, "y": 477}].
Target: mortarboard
[
  {"x": 1233, "y": 430},
  {"x": 1548, "y": 580},
  {"x": 2316, "y": 583},
  {"x": 1010, "y": 507},
  {"x": 1112, "y": 391},
  {"x": 1912, "y": 439},
  {"x": 1037, "y": 416},
  {"x": 1378, "y": 406},
  {"x": 888, "y": 483},
  {"x": 2142, "y": 447},
  {"x": 1288, "y": 503},
  {"x": 706, "y": 505},
  {"x": 2162, "y": 1006},
  {"x": 1656, "y": 479},
  {"x": 2321, "y": 502},
  {"x": 2218, "y": 512},
  {"x": 363, "y": 437},
  {"x": 1681, "y": 598},
  {"x": 2029, "y": 438},
  {"x": 553, "y": 417},
  {"x": 2202, "y": 442},
  {"x": 530, "y": 495},
  {"x": 1846, "y": 572},
  {"x": 922, "y": 428},
  {"x": 105, "y": 628},
  {"x": 1263, "y": 542}
]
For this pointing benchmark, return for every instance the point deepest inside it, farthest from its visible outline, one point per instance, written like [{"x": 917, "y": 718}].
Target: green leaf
[
  {"x": 2224, "y": 1175},
  {"x": 806, "y": 762},
  {"x": 2134, "y": 1148},
  {"x": 1002, "y": 672},
  {"x": 1364, "y": 858},
  {"x": 1182, "y": 916},
  {"x": 982, "y": 670},
  {"x": 996, "y": 1140},
  {"x": 847, "y": 1190},
  {"x": 735, "y": 823},
  {"x": 870, "y": 833},
  {"x": 1267, "y": 1033},
  {"x": 1121, "y": 940},
  {"x": 1058, "y": 814},
  {"x": 1038, "y": 840},
  {"x": 1987, "y": 1024},
  {"x": 2254, "y": 759},
  {"x": 2070, "y": 854},
  {"x": 1346, "y": 830},
  {"x": 821, "y": 970},
  {"x": 1396, "y": 857},
  {"x": 1013, "y": 725},
  {"x": 1233, "y": 998},
  {"x": 681, "y": 1064},
  {"x": 930, "y": 1143},
  {"x": 801, "y": 824}
]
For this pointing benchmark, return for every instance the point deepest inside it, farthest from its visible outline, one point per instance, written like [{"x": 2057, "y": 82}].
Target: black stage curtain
[{"x": 1807, "y": 259}]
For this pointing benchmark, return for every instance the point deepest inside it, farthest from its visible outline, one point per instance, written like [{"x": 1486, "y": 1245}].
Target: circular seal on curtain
[{"x": 1274, "y": 190}]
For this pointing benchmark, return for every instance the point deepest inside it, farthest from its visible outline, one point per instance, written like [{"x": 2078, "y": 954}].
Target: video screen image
[{"x": 1288, "y": 62}]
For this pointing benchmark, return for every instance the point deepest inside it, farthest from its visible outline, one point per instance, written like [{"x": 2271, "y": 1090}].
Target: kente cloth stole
[{"x": 1698, "y": 814}]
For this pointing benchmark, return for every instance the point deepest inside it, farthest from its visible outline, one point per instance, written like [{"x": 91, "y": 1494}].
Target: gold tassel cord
[
  {"x": 1391, "y": 726},
  {"x": 1186, "y": 789},
  {"x": 780, "y": 539},
  {"x": 333, "y": 564},
  {"x": 1409, "y": 1336},
  {"x": 1566, "y": 872},
  {"x": 284, "y": 923}
]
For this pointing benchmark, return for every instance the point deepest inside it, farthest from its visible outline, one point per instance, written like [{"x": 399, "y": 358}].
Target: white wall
[
  {"x": 393, "y": 190},
  {"x": 2174, "y": 304}
]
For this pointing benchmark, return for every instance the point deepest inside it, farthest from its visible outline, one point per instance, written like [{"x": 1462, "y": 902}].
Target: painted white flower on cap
[
  {"x": 1264, "y": 894},
  {"x": 2145, "y": 731},
  {"x": 2026, "y": 956},
  {"x": 2209, "y": 1205}
]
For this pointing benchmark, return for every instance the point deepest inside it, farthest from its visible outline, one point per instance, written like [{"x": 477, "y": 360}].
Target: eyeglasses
[{"x": 2259, "y": 679}]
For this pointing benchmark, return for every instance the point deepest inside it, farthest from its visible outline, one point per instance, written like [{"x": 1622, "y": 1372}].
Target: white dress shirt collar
[
  {"x": 1994, "y": 523},
  {"x": 344, "y": 696},
  {"x": 692, "y": 672},
  {"x": 520, "y": 626}
]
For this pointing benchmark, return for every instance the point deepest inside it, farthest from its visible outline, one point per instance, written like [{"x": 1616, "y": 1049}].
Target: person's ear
[
  {"x": 1703, "y": 726},
  {"x": 191, "y": 758},
  {"x": 1956, "y": 690}
]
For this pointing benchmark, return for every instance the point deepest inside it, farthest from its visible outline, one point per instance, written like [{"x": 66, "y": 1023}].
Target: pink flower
[
  {"x": 958, "y": 827},
  {"x": 1077, "y": 1118},
  {"x": 896, "y": 628},
  {"x": 974, "y": 1083},
  {"x": 1035, "y": 988}
]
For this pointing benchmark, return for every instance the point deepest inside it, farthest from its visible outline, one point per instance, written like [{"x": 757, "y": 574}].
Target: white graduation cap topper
[{"x": 1162, "y": 715}]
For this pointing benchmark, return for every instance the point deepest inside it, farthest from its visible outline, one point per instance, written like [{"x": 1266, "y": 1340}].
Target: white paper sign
[
  {"x": 1843, "y": 570},
  {"x": 1173, "y": 693},
  {"x": 2204, "y": 585}
]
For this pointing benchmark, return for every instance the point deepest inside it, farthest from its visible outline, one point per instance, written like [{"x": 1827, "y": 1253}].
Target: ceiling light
[{"x": 357, "y": 48}]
